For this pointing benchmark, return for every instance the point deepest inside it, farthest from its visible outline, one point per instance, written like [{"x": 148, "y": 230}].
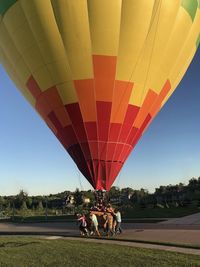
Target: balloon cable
[{"x": 118, "y": 179}]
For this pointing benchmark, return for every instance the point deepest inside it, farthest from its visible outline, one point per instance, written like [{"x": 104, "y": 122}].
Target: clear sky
[{"x": 32, "y": 159}]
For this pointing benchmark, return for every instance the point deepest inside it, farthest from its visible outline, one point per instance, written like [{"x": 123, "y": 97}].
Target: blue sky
[{"x": 32, "y": 159}]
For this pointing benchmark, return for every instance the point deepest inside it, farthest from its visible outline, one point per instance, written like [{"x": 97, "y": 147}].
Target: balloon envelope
[{"x": 98, "y": 71}]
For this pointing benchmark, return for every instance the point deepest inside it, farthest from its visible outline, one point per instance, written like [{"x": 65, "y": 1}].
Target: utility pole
[{"x": 46, "y": 208}]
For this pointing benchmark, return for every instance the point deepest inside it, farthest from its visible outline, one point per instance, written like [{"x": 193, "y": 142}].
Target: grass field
[
  {"x": 127, "y": 213},
  {"x": 171, "y": 212},
  {"x": 23, "y": 251}
]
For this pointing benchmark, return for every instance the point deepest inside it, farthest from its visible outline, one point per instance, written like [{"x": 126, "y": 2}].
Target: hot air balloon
[{"x": 98, "y": 71}]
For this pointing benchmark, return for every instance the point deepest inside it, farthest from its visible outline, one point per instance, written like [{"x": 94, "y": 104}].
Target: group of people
[
  {"x": 100, "y": 217},
  {"x": 113, "y": 221},
  {"x": 88, "y": 225}
]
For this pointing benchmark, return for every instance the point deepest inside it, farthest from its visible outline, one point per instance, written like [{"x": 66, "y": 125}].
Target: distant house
[
  {"x": 115, "y": 200},
  {"x": 86, "y": 200},
  {"x": 125, "y": 197},
  {"x": 70, "y": 201},
  {"x": 55, "y": 203}
]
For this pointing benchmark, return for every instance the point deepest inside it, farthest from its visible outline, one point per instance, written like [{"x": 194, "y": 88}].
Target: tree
[
  {"x": 127, "y": 191},
  {"x": 20, "y": 198},
  {"x": 78, "y": 197},
  {"x": 2, "y": 202},
  {"x": 40, "y": 206},
  {"x": 24, "y": 206},
  {"x": 193, "y": 184},
  {"x": 114, "y": 192},
  {"x": 29, "y": 202}
]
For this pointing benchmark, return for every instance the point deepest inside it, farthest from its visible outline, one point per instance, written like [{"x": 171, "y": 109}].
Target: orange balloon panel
[{"x": 98, "y": 71}]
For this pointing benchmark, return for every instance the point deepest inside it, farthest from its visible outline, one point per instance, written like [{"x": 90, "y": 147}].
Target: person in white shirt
[
  {"x": 118, "y": 229},
  {"x": 95, "y": 223}
]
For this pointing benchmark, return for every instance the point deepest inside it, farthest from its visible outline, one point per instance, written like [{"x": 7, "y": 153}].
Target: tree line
[{"x": 164, "y": 196}]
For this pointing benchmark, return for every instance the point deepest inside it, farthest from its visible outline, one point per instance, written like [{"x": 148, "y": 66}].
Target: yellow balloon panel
[
  {"x": 59, "y": 71},
  {"x": 13, "y": 56},
  {"x": 185, "y": 57},
  {"x": 158, "y": 41},
  {"x": 187, "y": 51},
  {"x": 177, "y": 39},
  {"x": 33, "y": 57},
  {"x": 76, "y": 38},
  {"x": 43, "y": 78},
  {"x": 133, "y": 32},
  {"x": 104, "y": 19},
  {"x": 16, "y": 78},
  {"x": 7, "y": 45},
  {"x": 67, "y": 92},
  {"x": 14, "y": 18},
  {"x": 45, "y": 31},
  {"x": 160, "y": 51}
]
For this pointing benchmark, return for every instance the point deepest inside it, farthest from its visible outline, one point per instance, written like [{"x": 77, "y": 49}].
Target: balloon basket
[{"x": 101, "y": 196}]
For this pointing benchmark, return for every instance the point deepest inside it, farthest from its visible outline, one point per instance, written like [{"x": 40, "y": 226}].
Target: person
[
  {"x": 109, "y": 208},
  {"x": 100, "y": 205},
  {"x": 109, "y": 222},
  {"x": 82, "y": 224},
  {"x": 114, "y": 222},
  {"x": 95, "y": 224},
  {"x": 105, "y": 222},
  {"x": 94, "y": 207},
  {"x": 118, "y": 229}
]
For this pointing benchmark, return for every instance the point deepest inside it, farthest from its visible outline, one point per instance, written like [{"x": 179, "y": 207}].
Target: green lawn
[
  {"x": 127, "y": 213},
  {"x": 23, "y": 251},
  {"x": 43, "y": 218},
  {"x": 171, "y": 212}
]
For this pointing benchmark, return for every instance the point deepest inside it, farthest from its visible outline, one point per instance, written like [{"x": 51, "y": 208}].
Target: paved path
[
  {"x": 193, "y": 219},
  {"x": 187, "y": 234},
  {"x": 179, "y": 236},
  {"x": 184, "y": 230}
]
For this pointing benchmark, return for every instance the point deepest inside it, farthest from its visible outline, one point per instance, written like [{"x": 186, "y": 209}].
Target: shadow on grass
[{"x": 16, "y": 244}]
